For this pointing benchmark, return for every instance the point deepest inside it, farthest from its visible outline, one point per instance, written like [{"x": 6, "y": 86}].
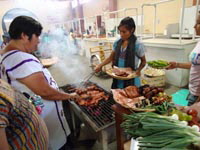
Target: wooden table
[{"x": 119, "y": 111}]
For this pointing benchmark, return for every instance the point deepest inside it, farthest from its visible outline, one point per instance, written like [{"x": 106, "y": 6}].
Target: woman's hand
[
  {"x": 172, "y": 65},
  {"x": 195, "y": 106},
  {"x": 74, "y": 96},
  {"x": 98, "y": 68},
  {"x": 138, "y": 73}
]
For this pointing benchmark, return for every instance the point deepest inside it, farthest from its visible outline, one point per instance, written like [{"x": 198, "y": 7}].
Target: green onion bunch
[{"x": 154, "y": 131}]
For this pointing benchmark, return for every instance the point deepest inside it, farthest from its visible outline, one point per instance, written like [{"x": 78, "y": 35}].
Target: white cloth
[{"x": 15, "y": 65}]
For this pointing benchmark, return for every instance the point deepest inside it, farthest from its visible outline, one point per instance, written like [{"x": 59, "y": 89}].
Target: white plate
[{"x": 112, "y": 74}]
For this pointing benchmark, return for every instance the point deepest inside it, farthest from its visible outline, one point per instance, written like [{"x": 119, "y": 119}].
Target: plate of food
[
  {"x": 121, "y": 73},
  {"x": 129, "y": 97},
  {"x": 158, "y": 64}
]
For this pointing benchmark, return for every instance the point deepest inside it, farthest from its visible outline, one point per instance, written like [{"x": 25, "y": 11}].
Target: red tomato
[{"x": 192, "y": 112}]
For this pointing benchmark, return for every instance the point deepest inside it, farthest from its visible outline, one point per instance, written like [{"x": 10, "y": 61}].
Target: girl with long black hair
[{"x": 128, "y": 52}]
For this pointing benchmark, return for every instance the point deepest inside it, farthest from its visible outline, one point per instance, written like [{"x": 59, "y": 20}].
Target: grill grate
[{"x": 101, "y": 115}]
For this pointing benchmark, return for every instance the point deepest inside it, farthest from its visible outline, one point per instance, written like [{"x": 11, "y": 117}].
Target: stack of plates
[{"x": 154, "y": 72}]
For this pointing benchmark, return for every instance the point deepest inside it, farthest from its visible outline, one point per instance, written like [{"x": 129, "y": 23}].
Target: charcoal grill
[{"x": 100, "y": 117}]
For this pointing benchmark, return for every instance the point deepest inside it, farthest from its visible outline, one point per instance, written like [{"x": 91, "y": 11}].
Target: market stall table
[{"x": 119, "y": 111}]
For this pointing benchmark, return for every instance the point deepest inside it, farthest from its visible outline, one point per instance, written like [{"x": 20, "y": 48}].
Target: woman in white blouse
[{"x": 25, "y": 72}]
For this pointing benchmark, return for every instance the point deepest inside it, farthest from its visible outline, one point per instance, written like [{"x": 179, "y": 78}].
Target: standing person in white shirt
[
  {"x": 25, "y": 72},
  {"x": 194, "y": 66}
]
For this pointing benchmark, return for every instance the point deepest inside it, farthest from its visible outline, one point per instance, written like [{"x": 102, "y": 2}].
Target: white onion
[
  {"x": 175, "y": 117},
  {"x": 184, "y": 123},
  {"x": 195, "y": 127}
]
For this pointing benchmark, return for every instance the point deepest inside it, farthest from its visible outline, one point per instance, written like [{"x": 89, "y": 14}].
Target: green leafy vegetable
[
  {"x": 159, "y": 132},
  {"x": 159, "y": 64}
]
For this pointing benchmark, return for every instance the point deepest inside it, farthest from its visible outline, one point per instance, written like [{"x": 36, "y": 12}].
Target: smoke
[
  {"x": 71, "y": 67},
  {"x": 57, "y": 43}
]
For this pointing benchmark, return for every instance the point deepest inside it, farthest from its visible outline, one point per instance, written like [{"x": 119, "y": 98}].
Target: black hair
[
  {"x": 71, "y": 30},
  {"x": 129, "y": 23},
  {"x": 26, "y": 25}
]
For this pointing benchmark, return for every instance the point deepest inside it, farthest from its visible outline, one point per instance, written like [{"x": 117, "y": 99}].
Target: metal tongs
[{"x": 86, "y": 79}]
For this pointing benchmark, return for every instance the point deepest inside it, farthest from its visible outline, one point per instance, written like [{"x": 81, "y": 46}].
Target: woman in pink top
[{"x": 194, "y": 66}]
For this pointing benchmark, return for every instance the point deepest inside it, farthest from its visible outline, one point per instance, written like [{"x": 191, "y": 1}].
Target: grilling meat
[
  {"x": 92, "y": 87},
  {"x": 90, "y": 96},
  {"x": 85, "y": 96},
  {"x": 81, "y": 91}
]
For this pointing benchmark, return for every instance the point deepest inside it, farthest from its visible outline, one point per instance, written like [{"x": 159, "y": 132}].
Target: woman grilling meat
[
  {"x": 25, "y": 72},
  {"x": 127, "y": 52}
]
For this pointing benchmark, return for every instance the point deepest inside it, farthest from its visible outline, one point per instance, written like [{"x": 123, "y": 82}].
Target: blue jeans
[{"x": 191, "y": 99}]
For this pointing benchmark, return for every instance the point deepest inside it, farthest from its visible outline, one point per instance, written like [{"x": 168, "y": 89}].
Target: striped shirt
[{"x": 24, "y": 128}]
